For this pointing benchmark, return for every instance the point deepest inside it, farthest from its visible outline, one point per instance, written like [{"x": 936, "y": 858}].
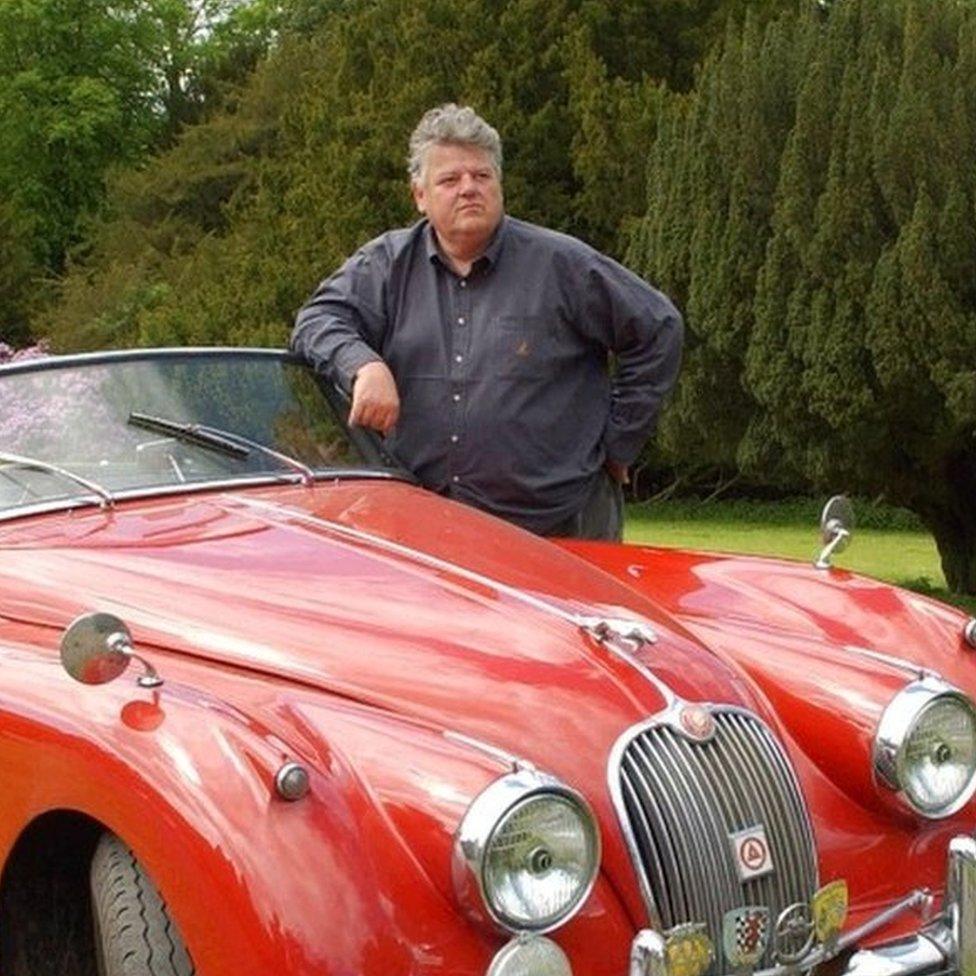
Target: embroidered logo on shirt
[{"x": 522, "y": 349}]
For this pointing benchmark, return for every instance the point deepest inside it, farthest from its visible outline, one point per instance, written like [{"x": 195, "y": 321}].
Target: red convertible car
[{"x": 268, "y": 708}]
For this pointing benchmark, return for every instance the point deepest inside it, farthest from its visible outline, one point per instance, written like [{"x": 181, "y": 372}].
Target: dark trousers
[{"x": 602, "y": 514}]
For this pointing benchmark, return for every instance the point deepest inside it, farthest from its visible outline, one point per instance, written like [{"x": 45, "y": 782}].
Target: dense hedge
[{"x": 870, "y": 514}]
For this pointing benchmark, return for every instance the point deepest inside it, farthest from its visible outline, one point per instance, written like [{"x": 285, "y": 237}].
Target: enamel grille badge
[
  {"x": 829, "y": 907},
  {"x": 745, "y": 935},
  {"x": 750, "y": 851},
  {"x": 688, "y": 949}
]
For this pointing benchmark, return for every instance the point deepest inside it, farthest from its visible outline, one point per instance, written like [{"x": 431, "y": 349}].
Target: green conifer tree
[
  {"x": 864, "y": 339},
  {"x": 711, "y": 181}
]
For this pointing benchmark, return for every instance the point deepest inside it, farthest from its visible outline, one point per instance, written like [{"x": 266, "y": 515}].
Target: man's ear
[{"x": 419, "y": 196}]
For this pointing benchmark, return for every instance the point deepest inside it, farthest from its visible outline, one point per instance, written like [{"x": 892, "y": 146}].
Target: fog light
[
  {"x": 688, "y": 950},
  {"x": 530, "y": 956}
]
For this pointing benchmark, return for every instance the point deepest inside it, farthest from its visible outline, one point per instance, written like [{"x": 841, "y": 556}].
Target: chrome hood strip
[
  {"x": 414, "y": 555},
  {"x": 507, "y": 759},
  {"x": 898, "y": 663},
  {"x": 581, "y": 622}
]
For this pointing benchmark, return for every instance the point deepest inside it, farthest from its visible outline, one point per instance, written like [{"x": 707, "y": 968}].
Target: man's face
[{"x": 460, "y": 193}]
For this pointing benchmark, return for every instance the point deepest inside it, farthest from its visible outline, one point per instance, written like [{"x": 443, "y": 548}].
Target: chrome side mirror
[
  {"x": 836, "y": 529},
  {"x": 97, "y": 647}
]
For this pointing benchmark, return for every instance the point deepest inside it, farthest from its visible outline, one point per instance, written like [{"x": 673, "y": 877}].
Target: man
[{"x": 478, "y": 344}]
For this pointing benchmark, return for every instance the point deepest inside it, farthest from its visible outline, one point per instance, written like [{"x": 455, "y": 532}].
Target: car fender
[
  {"x": 352, "y": 878},
  {"x": 187, "y": 781}
]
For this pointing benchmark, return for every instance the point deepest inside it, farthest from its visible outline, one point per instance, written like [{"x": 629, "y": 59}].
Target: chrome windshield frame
[
  {"x": 41, "y": 363},
  {"x": 377, "y": 463}
]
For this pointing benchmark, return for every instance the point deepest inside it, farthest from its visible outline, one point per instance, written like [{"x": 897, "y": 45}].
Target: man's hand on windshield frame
[{"x": 375, "y": 401}]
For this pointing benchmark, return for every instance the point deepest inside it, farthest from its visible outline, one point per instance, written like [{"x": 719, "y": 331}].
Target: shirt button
[
  {"x": 456, "y": 398},
  {"x": 455, "y": 478},
  {"x": 459, "y": 358},
  {"x": 454, "y": 438},
  {"x": 461, "y": 320},
  {"x": 463, "y": 283}
]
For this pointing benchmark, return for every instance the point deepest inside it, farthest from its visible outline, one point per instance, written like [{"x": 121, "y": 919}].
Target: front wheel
[{"x": 134, "y": 935}]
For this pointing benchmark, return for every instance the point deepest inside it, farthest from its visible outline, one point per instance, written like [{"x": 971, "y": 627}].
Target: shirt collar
[{"x": 490, "y": 255}]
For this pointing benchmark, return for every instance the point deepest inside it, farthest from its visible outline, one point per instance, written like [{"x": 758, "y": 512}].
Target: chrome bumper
[{"x": 945, "y": 944}]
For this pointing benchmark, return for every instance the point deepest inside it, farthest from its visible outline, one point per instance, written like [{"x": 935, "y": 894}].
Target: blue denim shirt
[{"x": 507, "y": 398}]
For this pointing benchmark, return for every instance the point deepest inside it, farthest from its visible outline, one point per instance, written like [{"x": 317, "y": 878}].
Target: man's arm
[
  {"x": 339, "y": 331},
  {"x": 645, "y": 332}
]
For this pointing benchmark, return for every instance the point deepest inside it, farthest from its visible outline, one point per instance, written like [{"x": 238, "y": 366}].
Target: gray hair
[{"x": 452, "y": 124}]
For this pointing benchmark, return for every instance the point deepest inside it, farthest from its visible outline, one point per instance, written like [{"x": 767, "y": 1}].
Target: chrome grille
[{"x": 680, "y": 800}]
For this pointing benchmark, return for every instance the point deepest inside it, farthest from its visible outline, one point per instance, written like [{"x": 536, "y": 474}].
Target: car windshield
[{"x": 93, "y": 428}]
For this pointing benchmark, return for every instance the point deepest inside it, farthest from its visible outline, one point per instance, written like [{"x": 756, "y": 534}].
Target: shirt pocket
[{"x": 523, "y": 347}]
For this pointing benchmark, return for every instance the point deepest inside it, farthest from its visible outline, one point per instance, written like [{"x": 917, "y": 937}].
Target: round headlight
[
  {"x": 526, "y": 854},
  {"x": 926, "y": 747}
]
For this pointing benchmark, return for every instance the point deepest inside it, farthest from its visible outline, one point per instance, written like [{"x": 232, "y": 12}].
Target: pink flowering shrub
[
  {"x": 51, "y": 415},
  {"x": 10, "y": 355}
]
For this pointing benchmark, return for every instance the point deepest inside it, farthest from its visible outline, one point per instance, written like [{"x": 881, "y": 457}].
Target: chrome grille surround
[{"x": 678, "y": 801}]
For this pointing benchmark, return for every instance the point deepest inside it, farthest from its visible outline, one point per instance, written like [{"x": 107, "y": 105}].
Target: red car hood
[{"x": 383, "y": 593}]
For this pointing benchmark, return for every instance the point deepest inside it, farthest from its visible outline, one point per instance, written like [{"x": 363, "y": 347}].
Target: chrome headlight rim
[
  {"x": 486, "y": 813},
  {"x": 898, "y": 722}
]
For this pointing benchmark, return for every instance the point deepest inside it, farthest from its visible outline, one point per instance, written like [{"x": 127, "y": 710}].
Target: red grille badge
[{"x": 751, "y": 852}]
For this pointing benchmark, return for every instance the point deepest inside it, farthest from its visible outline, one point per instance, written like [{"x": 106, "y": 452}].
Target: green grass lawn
[{"x": 905, "y": 556}]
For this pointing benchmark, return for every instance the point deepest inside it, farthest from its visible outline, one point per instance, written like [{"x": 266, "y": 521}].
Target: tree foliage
[
  {"x": 87, "y": 87},
  {"x": 72, "y": 100},
  {"x": 16, "y": 266},
  {"x": 813, "y": 203},
  {"x": 807, "y": 193},
  {"x": 222, "y": 237}
]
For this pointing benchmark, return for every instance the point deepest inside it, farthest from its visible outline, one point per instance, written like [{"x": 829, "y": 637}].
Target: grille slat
[
  {"x": 686, "y": 839},
  {"x": 681, "y": 801},
  {"x": 672, "y": 898},
  {"x": 662, "y": 854},
  {"x": 769, "y": 887},
  {"x": 664, "y": 820},
  {"x": 788, "y": 814},
  {"x": 649, "y": 855},
  {"x": 797, "y": 814},
  {"x": 785, "y": 850},
  {"x": 712, "y": 802},
  {"x": 695, "y": 816}
]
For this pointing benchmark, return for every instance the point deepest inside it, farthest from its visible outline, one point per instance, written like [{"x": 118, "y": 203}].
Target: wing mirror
[
  {"x": 97, "y": 647},
  {"x": 836, "y": 529}
]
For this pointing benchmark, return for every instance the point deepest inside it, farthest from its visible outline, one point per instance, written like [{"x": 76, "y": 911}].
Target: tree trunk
[{"x": 950, "y": 513}]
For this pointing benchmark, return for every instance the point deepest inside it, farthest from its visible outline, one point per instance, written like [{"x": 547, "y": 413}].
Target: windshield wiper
[
  {"x": 189, "y": 433},
  {"x": 229, "y": 442},
  {"x": 106, "y": 499}
]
